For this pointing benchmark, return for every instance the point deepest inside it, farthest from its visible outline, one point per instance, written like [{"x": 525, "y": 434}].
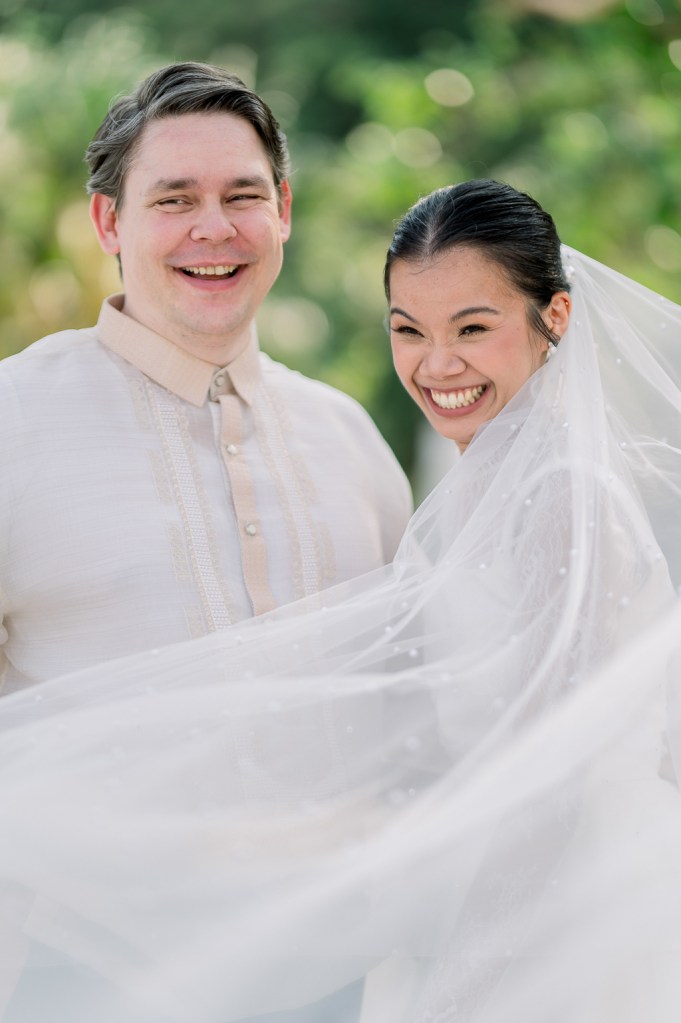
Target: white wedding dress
[{"x": 454, "y": 777}]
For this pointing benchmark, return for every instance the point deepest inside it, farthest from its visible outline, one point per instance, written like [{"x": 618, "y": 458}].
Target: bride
[{"x": 453, "y": 777}]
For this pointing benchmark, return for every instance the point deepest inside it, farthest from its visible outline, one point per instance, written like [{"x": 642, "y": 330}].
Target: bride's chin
[
  {"x": 461, "y": 439},
  {"x": 460, "y": 431}
]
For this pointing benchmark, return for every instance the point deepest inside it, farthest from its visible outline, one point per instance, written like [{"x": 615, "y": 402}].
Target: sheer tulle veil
[{"x": 454, "y": 776}]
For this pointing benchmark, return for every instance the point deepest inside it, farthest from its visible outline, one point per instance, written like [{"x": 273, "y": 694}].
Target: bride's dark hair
[{"x": 509, "y": 226}]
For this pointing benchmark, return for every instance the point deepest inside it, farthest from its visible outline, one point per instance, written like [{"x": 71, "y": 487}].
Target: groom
[{"x": 161, "y": 477}]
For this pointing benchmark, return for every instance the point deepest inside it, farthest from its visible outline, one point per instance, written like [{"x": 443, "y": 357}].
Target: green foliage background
[{"x": 576, "y": 101}]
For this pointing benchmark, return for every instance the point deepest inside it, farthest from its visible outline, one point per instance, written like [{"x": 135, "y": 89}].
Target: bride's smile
[{"x": 462, "y": 338}]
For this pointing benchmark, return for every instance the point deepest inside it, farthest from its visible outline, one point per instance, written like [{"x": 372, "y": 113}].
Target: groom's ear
[{"x": 105, "y": 220}]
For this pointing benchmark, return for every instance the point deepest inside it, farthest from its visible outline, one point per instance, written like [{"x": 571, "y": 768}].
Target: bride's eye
[
  {"x": 406, "y": 331},
  {"x": 471, "y": 328}
]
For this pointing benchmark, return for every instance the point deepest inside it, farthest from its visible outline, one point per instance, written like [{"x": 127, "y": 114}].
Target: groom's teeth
[
  {"x": 209, "y": 271},
  {"x": 457, "y": 399}
]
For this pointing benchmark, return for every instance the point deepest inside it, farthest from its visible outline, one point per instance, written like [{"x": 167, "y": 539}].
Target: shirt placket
[{"x": 251, "y": 539}]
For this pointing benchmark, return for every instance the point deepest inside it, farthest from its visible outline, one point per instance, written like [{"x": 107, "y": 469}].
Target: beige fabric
[{"x": 149, "y": 497}]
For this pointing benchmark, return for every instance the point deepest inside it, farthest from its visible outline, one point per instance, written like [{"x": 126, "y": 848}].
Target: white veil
[{"x": 453, "y": 776}]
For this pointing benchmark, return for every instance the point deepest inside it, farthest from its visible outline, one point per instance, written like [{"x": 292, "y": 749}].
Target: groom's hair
[{"x": 181, "y": 88}]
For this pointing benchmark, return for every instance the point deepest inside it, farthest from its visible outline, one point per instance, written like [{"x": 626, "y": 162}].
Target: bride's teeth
[{"x": 457, "y": 399}]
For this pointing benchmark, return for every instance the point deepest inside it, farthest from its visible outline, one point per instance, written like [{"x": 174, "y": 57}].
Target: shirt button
[
  {"x": 219, "y": 380},
  {"x": 232, "y": 449},
  {"x": 251, "y": 528}
]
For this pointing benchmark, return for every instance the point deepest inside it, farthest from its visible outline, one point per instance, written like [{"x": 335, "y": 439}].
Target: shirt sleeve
[
  {"x": 3, "y": 640},
  {"x": 7, "y": 447},
  {"x": 397, "y": 506},
  {"x": 391, "y": 490}
]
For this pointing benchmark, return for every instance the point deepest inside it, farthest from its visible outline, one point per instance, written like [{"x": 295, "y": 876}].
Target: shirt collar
[{"x": 178, "y": 371}]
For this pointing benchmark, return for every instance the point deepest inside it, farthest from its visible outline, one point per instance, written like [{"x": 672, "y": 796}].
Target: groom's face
[{"x": 199, "y": 231}]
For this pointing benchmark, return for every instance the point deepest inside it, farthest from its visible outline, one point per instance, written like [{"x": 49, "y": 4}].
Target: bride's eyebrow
[
  {"x": 395, "y": 310},
  {"x": 473, "y": 310}
]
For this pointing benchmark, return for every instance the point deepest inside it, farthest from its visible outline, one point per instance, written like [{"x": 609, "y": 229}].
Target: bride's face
[{"x": 461, "y": 339}]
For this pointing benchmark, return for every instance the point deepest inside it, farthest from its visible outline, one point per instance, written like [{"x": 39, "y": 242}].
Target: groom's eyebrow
[{"x": 179, "y": 184}]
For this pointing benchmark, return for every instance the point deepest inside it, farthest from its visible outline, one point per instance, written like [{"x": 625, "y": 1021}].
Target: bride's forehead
[{"x": 452, "y": 271}]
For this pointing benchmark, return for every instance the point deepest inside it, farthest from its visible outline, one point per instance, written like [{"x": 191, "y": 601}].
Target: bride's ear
[{"x": 557, "y": 313}]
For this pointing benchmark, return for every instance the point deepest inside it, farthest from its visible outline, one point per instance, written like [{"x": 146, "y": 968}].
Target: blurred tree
[{"x": 578, "y": 102}]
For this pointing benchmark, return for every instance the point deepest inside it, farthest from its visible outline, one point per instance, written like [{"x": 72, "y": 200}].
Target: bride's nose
[{"x": 442, "y": 361}]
